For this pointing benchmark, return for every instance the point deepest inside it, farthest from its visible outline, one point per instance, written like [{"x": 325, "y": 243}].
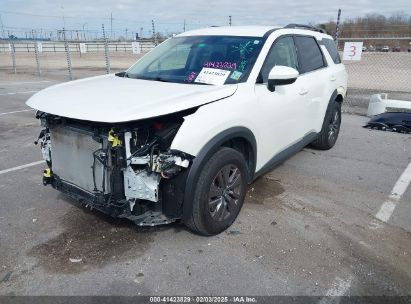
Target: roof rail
[{"x": 306, "y": 27}]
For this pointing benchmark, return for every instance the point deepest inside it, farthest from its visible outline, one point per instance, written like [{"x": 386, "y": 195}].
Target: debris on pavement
[
  {"x": 234, "y": 232},
  {"x": 389, "y": 114},
  {"x": 6, "y": 277}
]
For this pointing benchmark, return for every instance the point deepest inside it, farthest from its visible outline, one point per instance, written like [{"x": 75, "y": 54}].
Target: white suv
[{"x": 181, "y": 133}]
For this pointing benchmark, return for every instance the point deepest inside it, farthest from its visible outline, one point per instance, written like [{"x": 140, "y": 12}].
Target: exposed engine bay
[{"x": 124, "y": 170}]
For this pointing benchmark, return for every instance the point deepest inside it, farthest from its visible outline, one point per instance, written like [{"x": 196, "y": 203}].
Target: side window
[
  {"x": 332, "y": 49},
  {"x": 309, "y": 54},
  {"x": 281, "y": 53}
]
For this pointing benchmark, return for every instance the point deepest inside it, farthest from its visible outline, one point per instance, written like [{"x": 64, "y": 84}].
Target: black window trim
[
  {"x": 298, "y": 55},
  {"x": 321, "y": 42}
]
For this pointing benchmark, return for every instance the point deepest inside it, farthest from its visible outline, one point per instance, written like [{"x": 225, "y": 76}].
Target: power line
[
  {"x": 91, "y": 17},
  {"x": 34, "y": 15}
]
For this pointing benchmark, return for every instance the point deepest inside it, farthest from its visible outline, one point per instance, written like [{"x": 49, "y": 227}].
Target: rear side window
[
  {"x": 309, "y": 54},
  {"x": 332, "y": 50}
]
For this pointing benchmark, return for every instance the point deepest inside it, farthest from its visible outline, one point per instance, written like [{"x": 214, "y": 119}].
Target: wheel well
[
  {"x": 339, "y": 98},
  {"x": 244, "y": 147}
]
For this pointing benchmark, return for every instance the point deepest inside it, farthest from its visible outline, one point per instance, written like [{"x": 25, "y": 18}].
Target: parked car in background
[
  {"x": 396, "y": 49},
  {"x": 364, "y": 48},
  {"x": 371, "y": 48},
  {"x": 385, "y": 48}
]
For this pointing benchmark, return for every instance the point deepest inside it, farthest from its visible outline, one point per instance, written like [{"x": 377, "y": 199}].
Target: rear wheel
[
  {"x": 330, "y": 129},
  {"x": 219, "y": 193}
]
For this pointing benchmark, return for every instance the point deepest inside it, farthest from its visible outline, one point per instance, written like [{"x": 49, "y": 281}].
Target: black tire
[
  {"x": 331, "y": 128},
  {"x": 216, "y": 204}
]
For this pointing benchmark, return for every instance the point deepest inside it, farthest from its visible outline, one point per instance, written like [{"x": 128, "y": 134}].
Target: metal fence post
[
  {"x": 36, "y": 53},
  {"x": 106, "y": 53},
  {"x": 68, "y": 54},
  {"x": 337, "y": 28},
  {"x": 154, "y": 33},
  {"x": 13, "y": 56}
]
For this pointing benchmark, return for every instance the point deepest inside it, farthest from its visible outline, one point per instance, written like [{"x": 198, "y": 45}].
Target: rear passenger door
[{"x": 314, "y": 77}]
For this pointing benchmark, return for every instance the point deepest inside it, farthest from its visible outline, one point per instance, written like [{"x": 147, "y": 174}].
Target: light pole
[
  {"x": 84, "y": 33},
  {"x": 64, "y": 18}
]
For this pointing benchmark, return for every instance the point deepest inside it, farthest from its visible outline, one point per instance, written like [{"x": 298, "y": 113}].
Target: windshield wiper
[{"x": 160, "y": 79}]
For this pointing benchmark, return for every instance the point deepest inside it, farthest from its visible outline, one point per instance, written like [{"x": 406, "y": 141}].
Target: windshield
[{"x": 213, "y": 60}]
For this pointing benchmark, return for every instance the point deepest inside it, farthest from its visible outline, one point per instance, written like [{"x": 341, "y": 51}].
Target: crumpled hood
[{"x": 113, "y": 99}]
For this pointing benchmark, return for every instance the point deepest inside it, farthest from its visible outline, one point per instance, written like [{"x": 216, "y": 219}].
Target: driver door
[{"x": 282, "y": 113}]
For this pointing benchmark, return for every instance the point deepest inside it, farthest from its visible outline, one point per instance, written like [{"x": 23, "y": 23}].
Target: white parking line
[
  {"x": 14, "y": 93},
  {"x": 387, "y": 208},
  {"x": 21, "y": 167},
  {"x": 22, "y": 82},
  {"x": 16, "y": 112},
  {"x": 339, "y": 288}
]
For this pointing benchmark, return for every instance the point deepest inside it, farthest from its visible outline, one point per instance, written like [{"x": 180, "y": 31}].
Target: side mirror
[{"x": 281, "y": 75}]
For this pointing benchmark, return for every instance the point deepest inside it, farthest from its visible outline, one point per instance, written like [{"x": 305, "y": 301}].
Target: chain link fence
[
  {"x": 385, "y": 67},
  {"x": 70, "y": 59}
]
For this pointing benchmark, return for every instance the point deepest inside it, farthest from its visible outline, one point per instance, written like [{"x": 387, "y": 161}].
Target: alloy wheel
[
  {"x": 334, "y": 127},
  {"x": 225, "y": 192}
]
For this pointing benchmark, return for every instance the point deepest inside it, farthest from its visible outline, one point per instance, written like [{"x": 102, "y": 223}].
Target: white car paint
[
  {"x": 277, "y": 119},
  {"x": 283, "y": 72},
  {"x": 113, "y": 99},
  {"x": 379, "y": 103},
  {"x": 249, "y": 30}
]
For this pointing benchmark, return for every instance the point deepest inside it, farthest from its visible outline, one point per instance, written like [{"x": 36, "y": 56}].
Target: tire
[
  {"x": 219, "y": 193},
  {"x": 331, "y": 128}
]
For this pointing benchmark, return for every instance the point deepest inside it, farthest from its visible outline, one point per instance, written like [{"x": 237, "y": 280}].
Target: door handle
[
  {"x": 303, "y": 91},
  {"x": 333, "y": 78}
]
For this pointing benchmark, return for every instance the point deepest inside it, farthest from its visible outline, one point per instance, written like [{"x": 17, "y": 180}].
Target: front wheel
[
  {"x": 330, "y": 129},
  {"x": 219, "y": 192}
]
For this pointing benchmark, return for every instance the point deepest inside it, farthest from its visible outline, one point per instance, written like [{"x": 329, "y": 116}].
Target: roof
[{"x": 250, "y": 30}]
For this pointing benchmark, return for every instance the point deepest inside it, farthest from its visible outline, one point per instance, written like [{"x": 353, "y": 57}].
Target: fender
[
  {"x": 328, "y": 109},
  {"x": 204, "y": 155}
]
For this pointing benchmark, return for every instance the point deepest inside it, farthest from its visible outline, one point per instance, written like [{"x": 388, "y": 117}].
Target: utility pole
[
  {"x": 64, "y": 18},
  {"x": 337, "y": 27},
  {"x": 126, "y": 34},
  {"x": 2, "y": 28},
  {"x": 229, "y": 20},
  {"x": 111, "y": 26},
  {"x": 184, "y": 26},
  {"x": 84, "y": 32}
]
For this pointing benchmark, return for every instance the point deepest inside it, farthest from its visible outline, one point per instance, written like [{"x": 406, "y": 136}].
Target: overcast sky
[{"x": 169, "y": 15}]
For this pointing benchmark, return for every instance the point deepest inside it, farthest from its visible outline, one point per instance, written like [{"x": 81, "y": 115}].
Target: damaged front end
[{"x": 126, "y": 170}]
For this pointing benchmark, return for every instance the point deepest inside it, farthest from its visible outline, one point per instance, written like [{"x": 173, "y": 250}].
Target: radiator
[{"x": 72, "y": 158}]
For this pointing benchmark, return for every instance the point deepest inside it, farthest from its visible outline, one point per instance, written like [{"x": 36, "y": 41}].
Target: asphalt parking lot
[{"x": 309, "y": 227}]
